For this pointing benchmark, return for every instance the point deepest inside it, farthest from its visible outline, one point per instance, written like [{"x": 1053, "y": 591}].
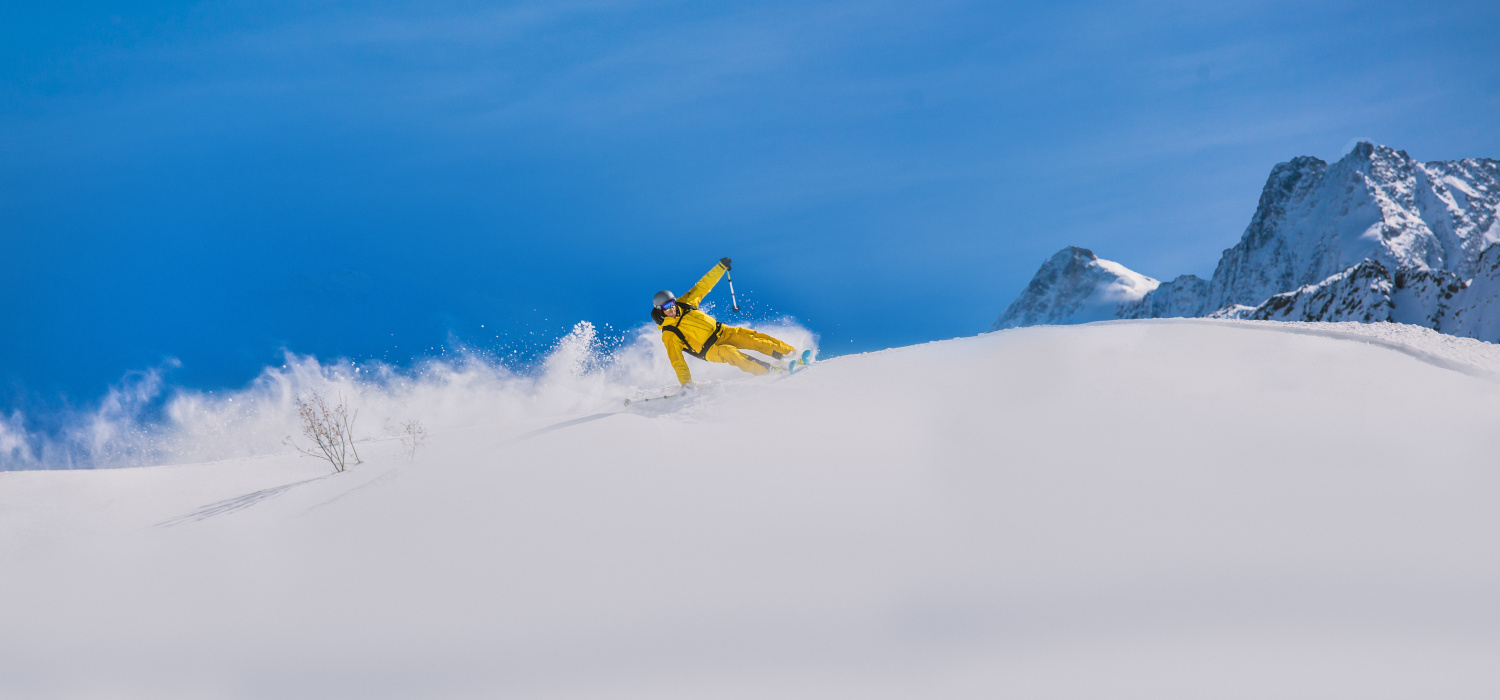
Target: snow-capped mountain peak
[
  {"x": 1316, "y": 220},
  {"x": 1075, "y": 286},
  {"x": 1376, "y": 235}
]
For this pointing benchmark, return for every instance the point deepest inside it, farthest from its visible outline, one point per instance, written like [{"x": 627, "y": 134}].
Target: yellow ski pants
[{"x": 732, "y": 338}]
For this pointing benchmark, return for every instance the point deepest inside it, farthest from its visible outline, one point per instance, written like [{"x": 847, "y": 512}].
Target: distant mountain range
[{"x": 1376, "y": 236}]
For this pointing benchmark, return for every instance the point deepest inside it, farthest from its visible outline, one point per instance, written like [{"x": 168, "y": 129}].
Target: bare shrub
[
  {"x": 413, "y": 435},
  {"x": 331, "y": 428}
]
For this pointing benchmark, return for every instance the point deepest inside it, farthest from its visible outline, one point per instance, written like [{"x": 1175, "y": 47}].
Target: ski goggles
[{"x": 668, "y": 305}]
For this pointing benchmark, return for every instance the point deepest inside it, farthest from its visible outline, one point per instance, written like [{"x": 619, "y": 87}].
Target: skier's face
[{"x": 670, "y": 310}]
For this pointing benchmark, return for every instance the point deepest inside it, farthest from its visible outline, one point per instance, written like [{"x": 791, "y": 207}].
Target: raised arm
[{"x": 705, "y": 285}]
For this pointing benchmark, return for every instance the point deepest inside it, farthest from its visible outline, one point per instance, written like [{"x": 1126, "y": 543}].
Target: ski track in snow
[
  {"x": 238, "y": 503},
  {"x": 559, "y": 426}
]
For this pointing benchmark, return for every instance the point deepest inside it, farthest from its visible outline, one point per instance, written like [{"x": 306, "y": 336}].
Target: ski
[{"x": 803, "y": 361}]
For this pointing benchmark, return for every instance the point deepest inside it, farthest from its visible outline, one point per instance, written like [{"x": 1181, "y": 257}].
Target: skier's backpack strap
[
  {"x": 712, "y": 338},
  {"x": 685, "y": 347}
]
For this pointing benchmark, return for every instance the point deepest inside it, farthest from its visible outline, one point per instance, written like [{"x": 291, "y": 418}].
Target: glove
[{"x": 724, "y": 262}]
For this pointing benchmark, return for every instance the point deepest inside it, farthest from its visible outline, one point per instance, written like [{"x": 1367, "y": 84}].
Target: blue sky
[{"x": 214, "y": 182}]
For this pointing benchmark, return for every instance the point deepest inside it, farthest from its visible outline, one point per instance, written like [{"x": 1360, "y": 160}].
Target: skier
[{"x": 686, "y": 329}]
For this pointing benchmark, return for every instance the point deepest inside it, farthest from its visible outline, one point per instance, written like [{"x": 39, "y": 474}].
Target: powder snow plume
[{"x": 143, "y": 421}]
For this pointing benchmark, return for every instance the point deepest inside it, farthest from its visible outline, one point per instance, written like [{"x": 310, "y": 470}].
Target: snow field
[{"x": 1129, "y": 510}]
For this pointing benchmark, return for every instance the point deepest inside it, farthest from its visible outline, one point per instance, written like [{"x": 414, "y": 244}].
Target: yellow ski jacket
[{"x": 696, "y": 327}]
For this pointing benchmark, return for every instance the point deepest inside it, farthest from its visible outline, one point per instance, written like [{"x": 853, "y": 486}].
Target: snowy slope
[
  {"x": 1424, "y": 227},
  {"x": 1155, "y": 509},
  {"x": 1075, "y": 286}
]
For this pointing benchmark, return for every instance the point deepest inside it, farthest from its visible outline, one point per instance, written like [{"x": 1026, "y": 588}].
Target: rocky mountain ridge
[{"x": 1375, "y": 236}]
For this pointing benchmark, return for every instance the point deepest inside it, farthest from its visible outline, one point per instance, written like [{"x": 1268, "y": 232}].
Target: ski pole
[{"x": 736, "y": 304}]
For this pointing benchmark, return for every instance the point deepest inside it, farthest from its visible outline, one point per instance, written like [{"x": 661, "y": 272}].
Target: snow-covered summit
[
  {"x": 1315, "y": 220},
  {"x": 1075, "y": 286},
  {"x": 1319, "y": 228}
]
